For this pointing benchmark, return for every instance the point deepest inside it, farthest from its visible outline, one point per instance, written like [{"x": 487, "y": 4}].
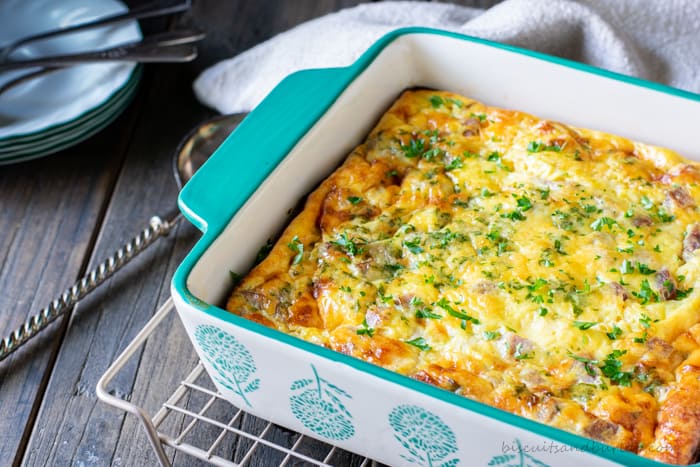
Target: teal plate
[
  {"x": 113, "y": 106},
  {"x": 99, "y": 119},
  {"x": 38, "y": 105},
  {"x": 16, "y": 142}
]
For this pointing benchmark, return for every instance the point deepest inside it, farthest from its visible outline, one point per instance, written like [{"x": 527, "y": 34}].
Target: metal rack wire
[{"x": 226, "y": 424}]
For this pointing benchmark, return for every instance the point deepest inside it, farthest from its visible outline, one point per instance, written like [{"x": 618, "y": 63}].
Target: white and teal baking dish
[{"x": 243, "y": 196}]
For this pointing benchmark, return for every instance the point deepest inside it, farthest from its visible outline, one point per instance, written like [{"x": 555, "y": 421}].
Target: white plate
[{"x": 67, "y": 94}]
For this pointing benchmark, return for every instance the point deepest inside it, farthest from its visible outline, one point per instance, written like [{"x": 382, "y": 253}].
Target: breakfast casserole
[{"x": 539, "y": 268}]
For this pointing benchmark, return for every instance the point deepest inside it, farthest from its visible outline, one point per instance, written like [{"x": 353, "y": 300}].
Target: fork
[{"x": 149, "y": 10}]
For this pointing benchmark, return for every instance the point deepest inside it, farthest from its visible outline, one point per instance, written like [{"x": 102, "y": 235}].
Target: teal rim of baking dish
[{"x": 311, "y": 93}]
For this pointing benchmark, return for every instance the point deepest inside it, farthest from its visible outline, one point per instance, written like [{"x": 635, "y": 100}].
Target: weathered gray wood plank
[
  {"x": 72, "y": 427},
  {"x": 48, "y": 208}
]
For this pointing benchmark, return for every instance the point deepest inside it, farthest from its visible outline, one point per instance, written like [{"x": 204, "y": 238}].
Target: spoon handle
[
  {"x": 142, "y": 53},
  {"x": 157, "y": 228}
]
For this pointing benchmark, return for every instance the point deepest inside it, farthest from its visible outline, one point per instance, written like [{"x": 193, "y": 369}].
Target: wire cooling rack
[{"x": 211, "y": 428}]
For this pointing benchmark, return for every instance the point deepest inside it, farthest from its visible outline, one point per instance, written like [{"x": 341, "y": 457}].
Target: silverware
[
  {"x": 166, "y": 39},
  {"x": 149, "y": 10},
  {"x": 190, "y": 154},
  {"x": 134, "y": 52}
]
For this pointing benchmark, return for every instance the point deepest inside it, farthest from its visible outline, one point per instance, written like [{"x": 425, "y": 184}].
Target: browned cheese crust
[{"x": 546, "y": 270}]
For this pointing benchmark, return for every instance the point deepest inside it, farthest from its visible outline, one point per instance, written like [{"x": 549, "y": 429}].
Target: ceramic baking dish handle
[{"x": 254, "y": 149}]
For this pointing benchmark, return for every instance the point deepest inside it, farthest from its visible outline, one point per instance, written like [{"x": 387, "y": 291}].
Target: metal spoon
[{"x": 189, "y": 155}]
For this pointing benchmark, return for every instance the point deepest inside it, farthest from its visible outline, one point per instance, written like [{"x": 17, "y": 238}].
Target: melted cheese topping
[{"x": 546, "y": 270}]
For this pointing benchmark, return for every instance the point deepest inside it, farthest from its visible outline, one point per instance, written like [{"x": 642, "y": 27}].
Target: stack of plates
[{"x": 58, "y": 110}]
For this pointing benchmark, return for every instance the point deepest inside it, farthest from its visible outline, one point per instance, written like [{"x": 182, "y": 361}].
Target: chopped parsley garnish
[
  {"x": 445, "y": 305},
  {"x": 537, "y": 146},
  {"x": 427, "y": 313},
  {"x": 627, "y": 267},
  {"x": 645, "y": 321},
  {"x": 612, "y": 368},
  {"x": 431, "y": 154},
  {"x": 455, "y": 163},
  {"x": 584, "y": 325},
  {"x": 436, "y": 101},
  {"x": 644, "y": 269},
  {"x": 664, "y": 216},
  {"x": 661, "y": 214},
  {"x": 538, "y": 284},
  {"x": 524, "y": 203},
  {"x": 586, "y": 288},
  {"x": 520, "y": 355},
  {"x": 614, "y": 334},
  {"x": 419, "y": 342},
  {"x": 414, "y": 148},
  {"x": 601, "y": 222},
  {"x": 235, "y": 278},
  {"x": 642, "y": 339},
  {"x": 500, "y": 242},
  {"x": 417, "y": 147},
  {"x": 365, "y": 329},
  {"x": 646, "y": 294},
  {"x": 345, "y": 289},
  {"x": 516, "y": 215},
  {"x": 575, "y": 300},
  {"x": 491, "y": 335},
  {"x": 354, "y": 199},
  {"x": 481, "y": 117},
  {"x": 681, "y": 294},
  {"x": 385, "y": 298},
  {"x": 588, "y": 363},
  {"x": 297, "y": 247},
  {"x": 413, "y": 246},
  {"x": 351, "y": 246},
  {"x": 263, "y": 252},
  {"x": 558, "y": 248},
  {"x": 546, "y": 259},
  {"x": 647, "y": 203}
]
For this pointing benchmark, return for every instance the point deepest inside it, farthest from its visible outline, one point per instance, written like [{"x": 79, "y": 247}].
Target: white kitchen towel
[{"x": 658, "y": 40}]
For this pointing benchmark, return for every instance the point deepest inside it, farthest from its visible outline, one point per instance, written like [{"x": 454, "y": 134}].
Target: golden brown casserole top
[{"x": 542, "y": 269}]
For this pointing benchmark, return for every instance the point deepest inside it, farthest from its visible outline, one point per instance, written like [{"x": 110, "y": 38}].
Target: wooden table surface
[{"x": 63, "y": 214}]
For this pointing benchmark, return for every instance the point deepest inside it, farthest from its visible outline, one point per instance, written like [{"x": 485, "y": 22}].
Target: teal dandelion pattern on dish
[
  {"x": 518, "y": 459},
  {"x": 233, "y": 363},
  {"x": 428, "y": 440},
  {"x": 318, "y": 405}
]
